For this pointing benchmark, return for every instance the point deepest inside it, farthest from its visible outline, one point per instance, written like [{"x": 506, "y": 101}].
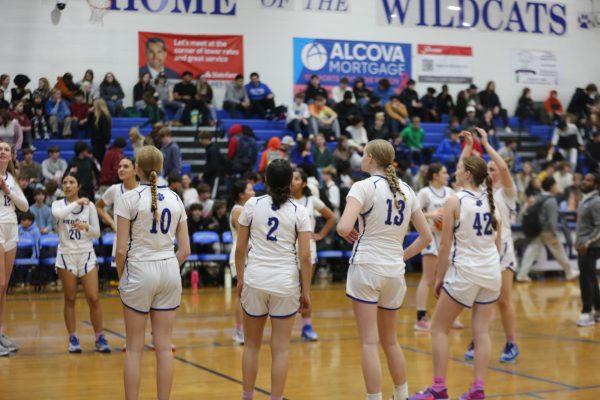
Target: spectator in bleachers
[
  {"x": 401, "y": 150},
  {"x": 220, "y": 220},
  {"x": 204, "y": 94},
  {"x": 37, "y": 101},
  {"x": 473, "y": 99},
  {"x": 112, "y": 93},
  {"x": 53, "y": 167},
  {"x": 94, "y": 89},
  {"x": 20, "y": 91},
  {"x": 371, "y": 109},
  {"x": 487, "y": 124},
  {"x": 256, "y": 181},
  {"x": 346, "y": 110},
  {"x": 109, "y": 174},
  {"x": 410, "y": 98},
  {"x": 4, "y": 104},
  {"x": 30, "y": 168},
  {"x": 523, "y": 179},
  {"x": 213, "y": 165},
  {"x": 155, "y": 115},
  {"x": 592, "y": 127},
  {"x": 10, "y": 131},
  {"x": 320, "y": 151},
  {"x": 413, "y": 136},
  {"x": 28, "y": 227},
  {"x": 444, "y": 103},
  {"x": 490, "y": 101},
  {"x": 361, "y": 91},
  {"x": 86, "y": 169},
  {"x": 573, "y": 194},
  {"x": 18, "y": 113},
  {"x": 272, "y": 152},
  {"x": 453, "y": 125},
  {"x": 462, "y": 101},
  {"x": 302, "y": 155},
  {"x": 58, "y": 114},
  {"x": 262, "y": 99},
  {"x": 236, "y": 98},
  {"x": 566, "y": 139},
  {"x": 88, "y": 94},
  {"x": 314, "y": 89},
  {"x": 525, "y": 109},
  {"x": 448, "y": 151},
  {"x": 66, "y": 86},
  {"x": 4, "y": 86},
  {"x": 583, "y": 100},
  {"x": 384, "y": 91},
  {"x": 338, "y": 92},
  {"x": 189, "y": 193},
  {"x": 170, "y": 151},
  {"x": 166, "y": 101},
  {"x": 185, "y": 92},
  {"x": 204, "y": 193},
  {"x": 196, "y": 222},
  {"x": 287, "y": 145},
  {"x": 342, "y": 152},
  {"x": 43, "y": 89},
  {"x": 53, "y": 192},
  {"x": 41, "y": 211},
  {"x": 357, "y": 132},
  {"x": 324, "y": 119},
  {"x": 563, "y": 177},
  {"x": 100, "y": 129},
  {"x": 554, "y": 107},
  {"x": 429, "y": 103},
  {"x": 26, "y": 187},
  {"x": 471, "y": 121},
  {"x": 79, "y": 113},
  {"x": 397, "y": 114},
  {"x": 142, "y": 86},
  {"x": 242, "y": 149},
  {"x": 331, "y": 190},
  {"x": 379, "y": 129},
  {"x": 174, "y": 184},
  {"x": 298, "y": 116},
  {"x": 509, "y": 153}
]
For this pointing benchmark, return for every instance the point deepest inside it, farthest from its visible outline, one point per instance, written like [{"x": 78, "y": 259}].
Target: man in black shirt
[
  {"x": 346, "y": 111},
  {"x": 86, "y": 168},
  {"x": 410, "y": 98},
  {"x": 185, "y": 92},
  {"x": 314, "y": 89}
]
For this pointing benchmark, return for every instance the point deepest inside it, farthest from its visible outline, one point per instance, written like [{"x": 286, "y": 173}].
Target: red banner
[{"x": 220, "y": 57}]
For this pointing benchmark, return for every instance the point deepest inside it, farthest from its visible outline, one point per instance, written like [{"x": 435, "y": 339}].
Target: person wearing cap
[
  {"x": 471, "y": 121},
  {"x": 156, "y": 54},
  {"x": 287, "y": 145},
  {"x": 324, "y": 118},
  {"x": 236, "y": 98},
  {"x": 20, "y": 92}
]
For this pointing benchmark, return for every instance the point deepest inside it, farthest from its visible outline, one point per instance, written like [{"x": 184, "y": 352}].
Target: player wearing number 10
[
  {"x": 386, "y": 206},
  {"x": 149, "y": 219},
  {"x": 76, "y": 222}
]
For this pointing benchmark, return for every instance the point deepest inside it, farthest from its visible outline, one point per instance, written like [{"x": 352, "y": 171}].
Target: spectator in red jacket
[
  {"x": 554, "y": 107},
  {"x": 234, "y": 131},
  {"x": 109, "y": 175},
  {"x": 79, "y": 113}
]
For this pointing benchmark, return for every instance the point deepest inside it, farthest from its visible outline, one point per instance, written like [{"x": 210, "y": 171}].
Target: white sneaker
[
  {"x": 572, "y": 275},
  {"x": 238, "y": 337},
  {"x": 457, "y": 324},
  {"x": 4, "y": 352},
  {"x": 523, "y": 278},
  {"x": 507, "y": 129},
  {"x": 586, "y": 320},
  {"x": 7, "y": 343}
]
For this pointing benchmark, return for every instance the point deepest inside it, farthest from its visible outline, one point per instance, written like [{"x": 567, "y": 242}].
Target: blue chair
[
  {"x": 27, "y": 244},
  {"x": 208, "y": 238},
  {"x": 227, "y": 238},
  {"x": 108, "y": 239},
  {"x": 48, "y": 245}
]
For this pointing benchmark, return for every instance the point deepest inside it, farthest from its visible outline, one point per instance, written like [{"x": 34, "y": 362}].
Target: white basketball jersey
[
  {"x": 272, "y": 256},
  {"x": 73, "y": 241},
  {"x": 7, "y": 206},
  {"x": 507, "y": 208},
  {"x": 312, "y": 204},
  {"x": 382, "y": 225},
  {"x": 432, "y": 199},
  {"x": 474, "y": 249},
  {"x": 233, "y": 232},
  {"x": 151, "y": 239},
  {"x": 112, "y": 193}
]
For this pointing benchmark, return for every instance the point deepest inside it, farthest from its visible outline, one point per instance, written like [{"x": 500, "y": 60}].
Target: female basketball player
[
  {"x": 279, "y": 232},
  {"x": 386, "y": 206},
  {"x": 505, "y": 196},
  {"x": 11, "y": 200},
  {"x": 149, "y": 219},
  {"x": 302, "y": 195},
  {"x": 128, "y": 178},
  {"x": 240, "y": 193},
  {"x": 432, "y": 198},
  {"x": 76, "y": 222},
  {"x": 472, "y": 230}
]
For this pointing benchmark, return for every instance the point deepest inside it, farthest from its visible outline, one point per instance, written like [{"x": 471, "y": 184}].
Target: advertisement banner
[
  {"x": 334, "y": 59},
  {"x": 220, "y": 57},
  {"x": 445, "y": 64},
  {"x": 535, "y": 67}
]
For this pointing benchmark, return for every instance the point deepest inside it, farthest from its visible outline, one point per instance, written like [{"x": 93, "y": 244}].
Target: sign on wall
[
  {"x": 444, "y": 64},
  {"x": 220, "y": 57},
  {"x": 535, "y": 67},
  {"x": 334, "y": 59}
]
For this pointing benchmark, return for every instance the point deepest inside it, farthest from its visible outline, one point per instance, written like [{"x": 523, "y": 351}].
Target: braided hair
[
  {"x": 150, "y": 161},
  {"x": 383, "y": 154},
  {"x": 478, "y": 169}
]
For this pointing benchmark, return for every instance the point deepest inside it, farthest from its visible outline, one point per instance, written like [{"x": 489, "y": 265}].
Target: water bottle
[
  {"x": 195, "y": 279},
  {"x": 194, "y": 116}
]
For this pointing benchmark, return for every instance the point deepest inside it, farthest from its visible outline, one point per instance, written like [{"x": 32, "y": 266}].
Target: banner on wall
[
  {"x": 220, "y": 57},
  {"x": 535, "y": 67},
  {"x": 334, "y": 59},
  {"x": 445, "y": 64}
]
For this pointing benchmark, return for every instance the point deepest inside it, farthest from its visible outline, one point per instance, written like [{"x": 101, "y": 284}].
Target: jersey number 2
[
  {"x": 487, "y": 220},
  {"x": 398, "y": 219},
  {"x": 274, "y": 224},
  {"x": 165, "y": 222}
]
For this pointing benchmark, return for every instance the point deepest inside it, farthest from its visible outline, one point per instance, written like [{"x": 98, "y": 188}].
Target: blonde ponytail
[
  {"x": 153, "y": 191},
  {"x": 392, "y": 180}
]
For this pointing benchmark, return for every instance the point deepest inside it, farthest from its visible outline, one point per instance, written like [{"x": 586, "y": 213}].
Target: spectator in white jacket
[
  {"x": 337, "y": 93},
  {"x": 298, "y": 117}
]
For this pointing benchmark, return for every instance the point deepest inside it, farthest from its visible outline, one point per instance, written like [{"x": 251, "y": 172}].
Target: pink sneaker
[
  {"x": 423, "y": 325},
  {"x": 473, "y": 394},
  {"x": 457, "y": 324},
  {"x": 430, "y": 394}
]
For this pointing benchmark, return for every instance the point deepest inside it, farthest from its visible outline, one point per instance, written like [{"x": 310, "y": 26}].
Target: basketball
[{"x": 439, "y": 225}]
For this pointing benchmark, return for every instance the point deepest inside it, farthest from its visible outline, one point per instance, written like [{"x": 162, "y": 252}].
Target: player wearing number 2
[
  {"x": 149, "y": 219},
  {"x": 471, "y": 239},
  {"x": 386, "y": 207},
  {"x": 76, "y": 222}
]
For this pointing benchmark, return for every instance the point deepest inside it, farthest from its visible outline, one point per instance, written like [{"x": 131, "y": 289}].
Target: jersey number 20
[
  {"x": 487, "y": 220},
  {"x": 398, "y": 219}
]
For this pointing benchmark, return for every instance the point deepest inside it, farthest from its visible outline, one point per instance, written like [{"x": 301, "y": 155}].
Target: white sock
[
  {"x": 401, "y": 391},
  {"x": 374, "y": 396}
]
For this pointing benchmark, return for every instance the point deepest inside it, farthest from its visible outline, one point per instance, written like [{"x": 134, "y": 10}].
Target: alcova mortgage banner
[{"x": 334, "y": 59}]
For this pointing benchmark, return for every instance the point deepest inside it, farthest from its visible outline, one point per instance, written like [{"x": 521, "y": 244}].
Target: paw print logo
[
  {"x": 161, "y": 197},
  {"x": 584, "y": 21},
  {"x": 479, "y": 203}
]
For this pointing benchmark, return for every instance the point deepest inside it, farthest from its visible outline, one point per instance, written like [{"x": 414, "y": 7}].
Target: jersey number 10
[{"x": 165, "y": 222}]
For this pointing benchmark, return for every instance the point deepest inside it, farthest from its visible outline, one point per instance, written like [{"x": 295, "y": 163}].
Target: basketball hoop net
[{"x": 98, "y": 8}]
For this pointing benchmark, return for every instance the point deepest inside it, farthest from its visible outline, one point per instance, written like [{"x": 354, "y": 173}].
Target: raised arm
[
  {"x": 468, "y": 136},
  {"x": 505, "y": 177}
]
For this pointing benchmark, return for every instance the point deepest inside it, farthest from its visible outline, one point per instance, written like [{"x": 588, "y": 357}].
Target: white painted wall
[{"x": 38, "y": 44}]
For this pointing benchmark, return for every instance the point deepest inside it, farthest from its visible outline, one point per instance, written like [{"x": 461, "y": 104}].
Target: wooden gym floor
[{"x": 558, "y": 360}]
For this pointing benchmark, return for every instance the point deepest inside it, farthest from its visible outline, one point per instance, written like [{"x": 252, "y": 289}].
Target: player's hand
[
  {"x": 438, "y": 287},
  {"x": 468, "y": 136},
  {"x": 239, "y": 287},
  {"x": 305, "y": 305},
  {"x": 483, "y": 134},
  {"x": 83, "y": 201},
  {"x": 582, "y": 250},
  {"x": 317, "y": 236},
  {"x": 352, "y": 236},
  {"x": 438, "y": 218},
  {"x": 81, "y": 226}
]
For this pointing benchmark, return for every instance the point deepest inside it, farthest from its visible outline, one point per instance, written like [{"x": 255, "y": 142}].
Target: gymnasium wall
[{"x": 39, "y": 41}]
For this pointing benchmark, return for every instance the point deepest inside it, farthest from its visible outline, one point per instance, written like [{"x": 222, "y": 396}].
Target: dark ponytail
[{"x": 279, "y": 178}]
